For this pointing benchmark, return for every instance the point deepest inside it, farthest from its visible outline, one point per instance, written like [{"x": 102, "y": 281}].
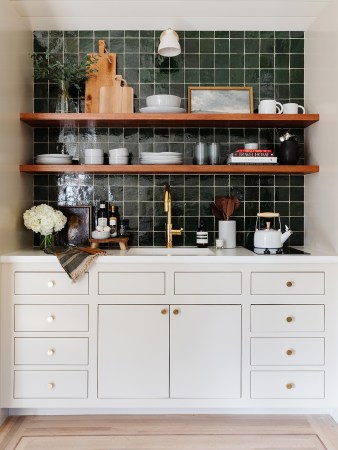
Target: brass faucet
[{"x": 169, "y": 232}]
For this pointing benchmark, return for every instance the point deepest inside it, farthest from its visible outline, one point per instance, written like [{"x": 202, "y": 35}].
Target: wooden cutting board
[
  {"x": 106, "y": 71},
  {"x": 118, "y": 98}
]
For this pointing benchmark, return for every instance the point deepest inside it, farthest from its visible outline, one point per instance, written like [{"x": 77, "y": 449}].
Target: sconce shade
[{"x": 169, "y": 45}]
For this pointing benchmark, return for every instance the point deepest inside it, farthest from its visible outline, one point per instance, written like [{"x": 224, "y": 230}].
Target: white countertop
[{"x": 234, "y": 256}]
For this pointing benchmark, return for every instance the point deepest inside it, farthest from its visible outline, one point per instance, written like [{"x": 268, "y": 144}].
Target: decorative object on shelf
[
  {"x": 54, "y": 158},
  {"x": 220, "y": 100},
  {"x": 269, "y": 239},
  {"x": 105, "y": 64},
  {"x": 292, "y": 108},
  {"x": 252, "y": 156},
  {"x": 66, "y": 76},
  {"x": 222, "y": 209},
  {"x": 289, "y": 149},
  {"x": 270, "y": 107},
  {"x": 45, "y": 220},
  {"x": 118, "y": 98},
  {"x": 78, "y": 225},
  {"x": 169, "y": 45},
  {"x": 163, "y": 103}
]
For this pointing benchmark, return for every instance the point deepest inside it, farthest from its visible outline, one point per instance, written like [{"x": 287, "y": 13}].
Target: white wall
[
  {"x": 15, "y": 137},
  {"x": 321, "y": 96}
]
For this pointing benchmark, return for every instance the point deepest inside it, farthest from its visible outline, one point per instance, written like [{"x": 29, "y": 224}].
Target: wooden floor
[{"x": 170, "y": 432}]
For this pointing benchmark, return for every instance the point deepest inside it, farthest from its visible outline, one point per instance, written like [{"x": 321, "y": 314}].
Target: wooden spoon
[
  {"x": 230, "y": 208},
  {"x": 216, "y": 212}
]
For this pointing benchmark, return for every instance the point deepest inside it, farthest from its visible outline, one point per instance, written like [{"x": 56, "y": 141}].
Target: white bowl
[
  {"x": 251, "y": 146},
  {"x": 55, "y": 155},
  {"x": 163, "y": 100},
  {"x": 93, "y": 152},
  {"x": 118, "y": 152},
  {"x": 100, "y": 234}
]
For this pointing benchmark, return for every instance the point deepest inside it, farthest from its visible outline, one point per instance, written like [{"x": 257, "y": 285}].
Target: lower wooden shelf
[{"x": 170, "y": 169}]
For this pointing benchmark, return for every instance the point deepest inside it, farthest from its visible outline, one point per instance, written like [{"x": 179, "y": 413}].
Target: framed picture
[
  {"x": 220, "y": 100},
  {"x": 78, "y": 227}
]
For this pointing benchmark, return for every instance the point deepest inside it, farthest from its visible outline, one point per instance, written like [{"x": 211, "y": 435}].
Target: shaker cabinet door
[
  {"x": 133, "y": 351},
  {"x": 205, "y": 351}
]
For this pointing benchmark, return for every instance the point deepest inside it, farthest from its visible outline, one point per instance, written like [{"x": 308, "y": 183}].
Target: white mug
[
  {"x": 292, "y": 108},
  {"x": 270, "y": 107}
]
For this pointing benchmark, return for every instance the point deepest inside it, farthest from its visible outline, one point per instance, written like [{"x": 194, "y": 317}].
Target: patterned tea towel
[{"x": 75, "y": 260}]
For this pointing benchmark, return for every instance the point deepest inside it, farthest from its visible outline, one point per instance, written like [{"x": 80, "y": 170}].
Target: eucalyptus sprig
[{"x": 48, "y": 66}]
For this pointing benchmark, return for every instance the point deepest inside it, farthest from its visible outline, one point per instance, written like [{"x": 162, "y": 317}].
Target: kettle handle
[{"x": 268, "y": 214}]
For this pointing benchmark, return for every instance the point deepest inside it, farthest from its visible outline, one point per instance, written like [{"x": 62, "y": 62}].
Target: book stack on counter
[{"x": 259, "y": 156}]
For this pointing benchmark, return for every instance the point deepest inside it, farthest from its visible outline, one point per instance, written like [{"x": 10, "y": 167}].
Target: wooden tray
[{"x": 122, "y": 241}]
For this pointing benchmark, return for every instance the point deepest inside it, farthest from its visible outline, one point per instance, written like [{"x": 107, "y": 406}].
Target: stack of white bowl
[
  {"x": 93, "y": 156},
  {"x": 118, "y": 156},
  {"x": 163, "y": 103},
  {"x": 54, "y": 158}
]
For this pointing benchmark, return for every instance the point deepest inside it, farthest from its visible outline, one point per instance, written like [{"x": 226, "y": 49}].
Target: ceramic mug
[
  {"x": 292, "y": 108},
  {"x": 270, "y": 107}
]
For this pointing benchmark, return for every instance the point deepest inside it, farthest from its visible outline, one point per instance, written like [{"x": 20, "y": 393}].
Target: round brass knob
[
  {"x": 50, "y": 283},
  {"x": 50, "y": 319},
  {"x": 290, "y": 386},
  {"x": 50, "y": 385},
  {"x": 50, "y": 352},
  {"x": 164, "y": 311},
  {"x": 289, "y": 283},
  {"x": 176, "y": 312},
  {"x": 289, "y": 319},
  {"x": 289, "y": 352}
]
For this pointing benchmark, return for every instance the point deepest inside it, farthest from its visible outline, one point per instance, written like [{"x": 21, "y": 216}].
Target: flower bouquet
[{"x": 45, "y": 220}]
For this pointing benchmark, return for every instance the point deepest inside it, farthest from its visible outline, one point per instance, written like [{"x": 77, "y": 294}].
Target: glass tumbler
[
  {"x": 214, "y": 153},
  {"x": 200, "y": 155}
]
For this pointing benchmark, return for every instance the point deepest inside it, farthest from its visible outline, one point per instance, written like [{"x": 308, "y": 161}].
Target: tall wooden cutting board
[{"x": 106, "y": 71}]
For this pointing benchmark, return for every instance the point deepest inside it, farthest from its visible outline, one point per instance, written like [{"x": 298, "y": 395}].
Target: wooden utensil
[
  {"x": 118, "y": 98},
  {"x": 106, "y": 71},
  {"x": 216, "y": 212}
]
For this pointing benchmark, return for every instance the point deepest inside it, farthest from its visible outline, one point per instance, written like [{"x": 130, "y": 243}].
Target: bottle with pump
[
  {"x": 202, "y": 238},
  {"x": 102, "y": 215},
  {"x": 114, "y": 221}
]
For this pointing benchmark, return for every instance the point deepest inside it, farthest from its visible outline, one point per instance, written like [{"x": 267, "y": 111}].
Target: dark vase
[{"x": 289, "y": 152}]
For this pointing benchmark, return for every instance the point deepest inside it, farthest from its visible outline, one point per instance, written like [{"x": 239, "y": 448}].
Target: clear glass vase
[
  {"x": 64, "y": 103},
  {"x": 46, "y": 241}
]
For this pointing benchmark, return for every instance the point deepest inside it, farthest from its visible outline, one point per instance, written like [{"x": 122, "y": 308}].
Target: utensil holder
[
  {"x": 227, "y": 232},
  {"x": 289, "y": 152}
]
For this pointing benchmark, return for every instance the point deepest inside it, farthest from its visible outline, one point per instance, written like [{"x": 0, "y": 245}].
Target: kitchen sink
[{"x": 176, "y": 251}]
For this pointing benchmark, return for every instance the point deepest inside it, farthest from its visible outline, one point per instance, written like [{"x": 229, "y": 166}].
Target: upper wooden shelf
[
  {"x": 185, "y": 120},
  {"x": 173, "y": 169}
]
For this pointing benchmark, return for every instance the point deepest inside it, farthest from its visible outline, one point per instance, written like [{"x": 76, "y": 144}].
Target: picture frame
[
  {"x": 220, "y": 99},
  {"x": 78, "y": 227}
]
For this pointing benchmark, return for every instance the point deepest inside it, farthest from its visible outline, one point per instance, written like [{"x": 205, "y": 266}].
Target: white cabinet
[
  {"x": 205, "y": 351},
  {"x": 133, "y": 355}
]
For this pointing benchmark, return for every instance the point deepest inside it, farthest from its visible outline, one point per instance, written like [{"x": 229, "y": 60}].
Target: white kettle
[{"x": 270, "y": 238}]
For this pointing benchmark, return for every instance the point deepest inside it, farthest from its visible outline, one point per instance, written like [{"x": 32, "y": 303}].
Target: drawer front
[
  {"x": 131, "y": 283},
  {"x": 49, "y": 283},
  {"x": 208, "y": 283},
  {"x": 287, "y": 318},
  {"x": 51, "y": 317},
  {"x": 288, "y": 384},
  {"x": 51, "y": 350},
  {"x": 287, "y": 351},
  {"x": 50, "y": 384},
  {"x": 288, "y": 283}
]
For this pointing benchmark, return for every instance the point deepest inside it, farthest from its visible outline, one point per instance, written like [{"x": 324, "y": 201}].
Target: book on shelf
[
  {"x": 244, "y": 153},
  {"x": 252, "y": 159}
]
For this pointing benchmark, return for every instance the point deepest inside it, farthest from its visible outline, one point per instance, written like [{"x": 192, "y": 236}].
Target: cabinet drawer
[
  {"x": 287, "y": 351},
  {"x": 51, "y": 317},
  {"x": 131, "y": 283},
  {"x": 287, "y": 384},
  {"x": 208, "y": 283},
  {"x": 51, "y": 350},
  {"x": 288, "y": 283},
  {"x": 287, "y": 318},
  {"x": 50, "y": 384},
  {"x": 48, "y": 283}
]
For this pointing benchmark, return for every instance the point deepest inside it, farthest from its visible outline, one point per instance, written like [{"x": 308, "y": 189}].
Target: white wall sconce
[{"x": 169, "y": 45}]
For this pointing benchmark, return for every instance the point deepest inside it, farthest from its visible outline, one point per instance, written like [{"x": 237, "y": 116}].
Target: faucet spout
[{"x": 169, "y": 231}]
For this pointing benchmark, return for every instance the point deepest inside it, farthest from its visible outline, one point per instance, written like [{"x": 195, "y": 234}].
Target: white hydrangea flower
[{"x": 44, "y": 219}]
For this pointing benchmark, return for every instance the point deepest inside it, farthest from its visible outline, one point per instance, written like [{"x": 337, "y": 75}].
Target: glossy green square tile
[
  {"x": 267, "y": 34},
  {"x": 252, "y": 61},
  {"x": 40, "y": 90},
  {"x": 207, "y": 34},
  {"x": 282, "y": 46},
  {"x": 251, "y": 45},
  {"x": 207, "y": 76},
  {"x": 56, "y": 44},
  {"x": 161, "y": 76},
  {"x": 71, "y": 45},
  {"x": 252, "y": 76},
  {"x": 221, "y": 61},
  {"x": 267, "y": 45},
  {"x": 266, "y": 60},
  {"x": 236, "y": 77},
  {"x": 297, "y": 209},
  {"x": 267, "y": 75},
  {"x": 101, "y": 34},
  {"x": 267, "y": 91},
  {"x": 132, "y": 75},
  {"x": 236, "y": 45},
  {"x": 207, "y": 46},
  {"x": 192, "y": 61},
  {"x": 132, "y": 60},
  {"x": 297, "y": 194},
  {"x": 132, "y": 45},
  {"x": 296, "y": 180},
  {"x": 177, "y": 76},
  {"x": 297, "y": 223},
  {"x": 282, "y": 61},
  {"x": 221, "y": 45},
  {"x": 296, "y": 61},
  {"x": 222, "y": 77},
  {"x": 207, "y": 60},
  {"x": 251, "y": 208},
  {"x": 191, "y": 34},
  {"x": 282, "y": 76},
  {"x": 132, "y": 33},
  {"x": 146, "y": 61},
  {"x": 147, "y": 45},
  {"x": 86, "y": 34},
  {"x": 236, "y": 34},
  {"x": 222, "y": 34},
  {"x": 86, "y": 45},
  {"x": 297, "y": 34},
  {"x": 296, "y": 75},
  {"x": 282, "y": 34},
  {"x": 236, "y": 61},
  {"x": 147, "y": 34},
  {"x": 116, "y": 45},
  {"x": 161, "y": 62},
  {"x": 147, "y": 76},
  {"x": 297, "y": 46},
  {"x": 296, "y": 90},
  {"x": 192, "y": 46}
]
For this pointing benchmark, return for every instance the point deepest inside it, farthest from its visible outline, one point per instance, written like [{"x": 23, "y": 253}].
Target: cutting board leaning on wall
[
  {"x": 106, "y": 71},
  {"x": 117, "y": 99}
]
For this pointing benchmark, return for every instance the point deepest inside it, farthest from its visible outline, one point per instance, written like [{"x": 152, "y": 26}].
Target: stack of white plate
[
  {"x": 93, "y": 156},
  {"x": 161, "y": 158},
  {"x": 118, "y": 156},
  {"x": 54, "y": 158}
]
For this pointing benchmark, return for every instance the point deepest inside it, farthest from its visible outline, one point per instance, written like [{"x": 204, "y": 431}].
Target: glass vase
[
  {"x": 46, "y": 240},
  {"x": 64, "y": 103}
]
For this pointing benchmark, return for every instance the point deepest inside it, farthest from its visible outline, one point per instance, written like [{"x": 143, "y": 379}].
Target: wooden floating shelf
[
  {"x": 170, "y": 169},
  {"x": 185, "y": 120}
]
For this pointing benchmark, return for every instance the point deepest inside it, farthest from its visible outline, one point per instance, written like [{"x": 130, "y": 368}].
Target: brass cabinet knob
[
  {"x": 50, "y": 352},
  {"x": 289, "y": 319},
  {"x": 289, "y": 352},
  {"x": 50, "y": 385},
  {"x": 50, "y": 318},
  {"x": 289, "y": 283},
  {"x": 176, "y": 311},
  {"x": 290, "y": 386},
  {"x": 164, "y": 311},
  {"x": 50, "y": 284}
]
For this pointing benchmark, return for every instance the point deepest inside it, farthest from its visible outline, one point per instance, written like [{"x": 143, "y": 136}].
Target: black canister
[{"x": 289, "y": 152}]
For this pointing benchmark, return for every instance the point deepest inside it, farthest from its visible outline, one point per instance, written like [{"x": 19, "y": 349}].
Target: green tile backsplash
[{"x": 271, "y": 62}]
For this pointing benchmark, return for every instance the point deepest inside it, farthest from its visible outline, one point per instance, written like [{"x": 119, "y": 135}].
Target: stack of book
[{"x": 244, "y": 156}]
